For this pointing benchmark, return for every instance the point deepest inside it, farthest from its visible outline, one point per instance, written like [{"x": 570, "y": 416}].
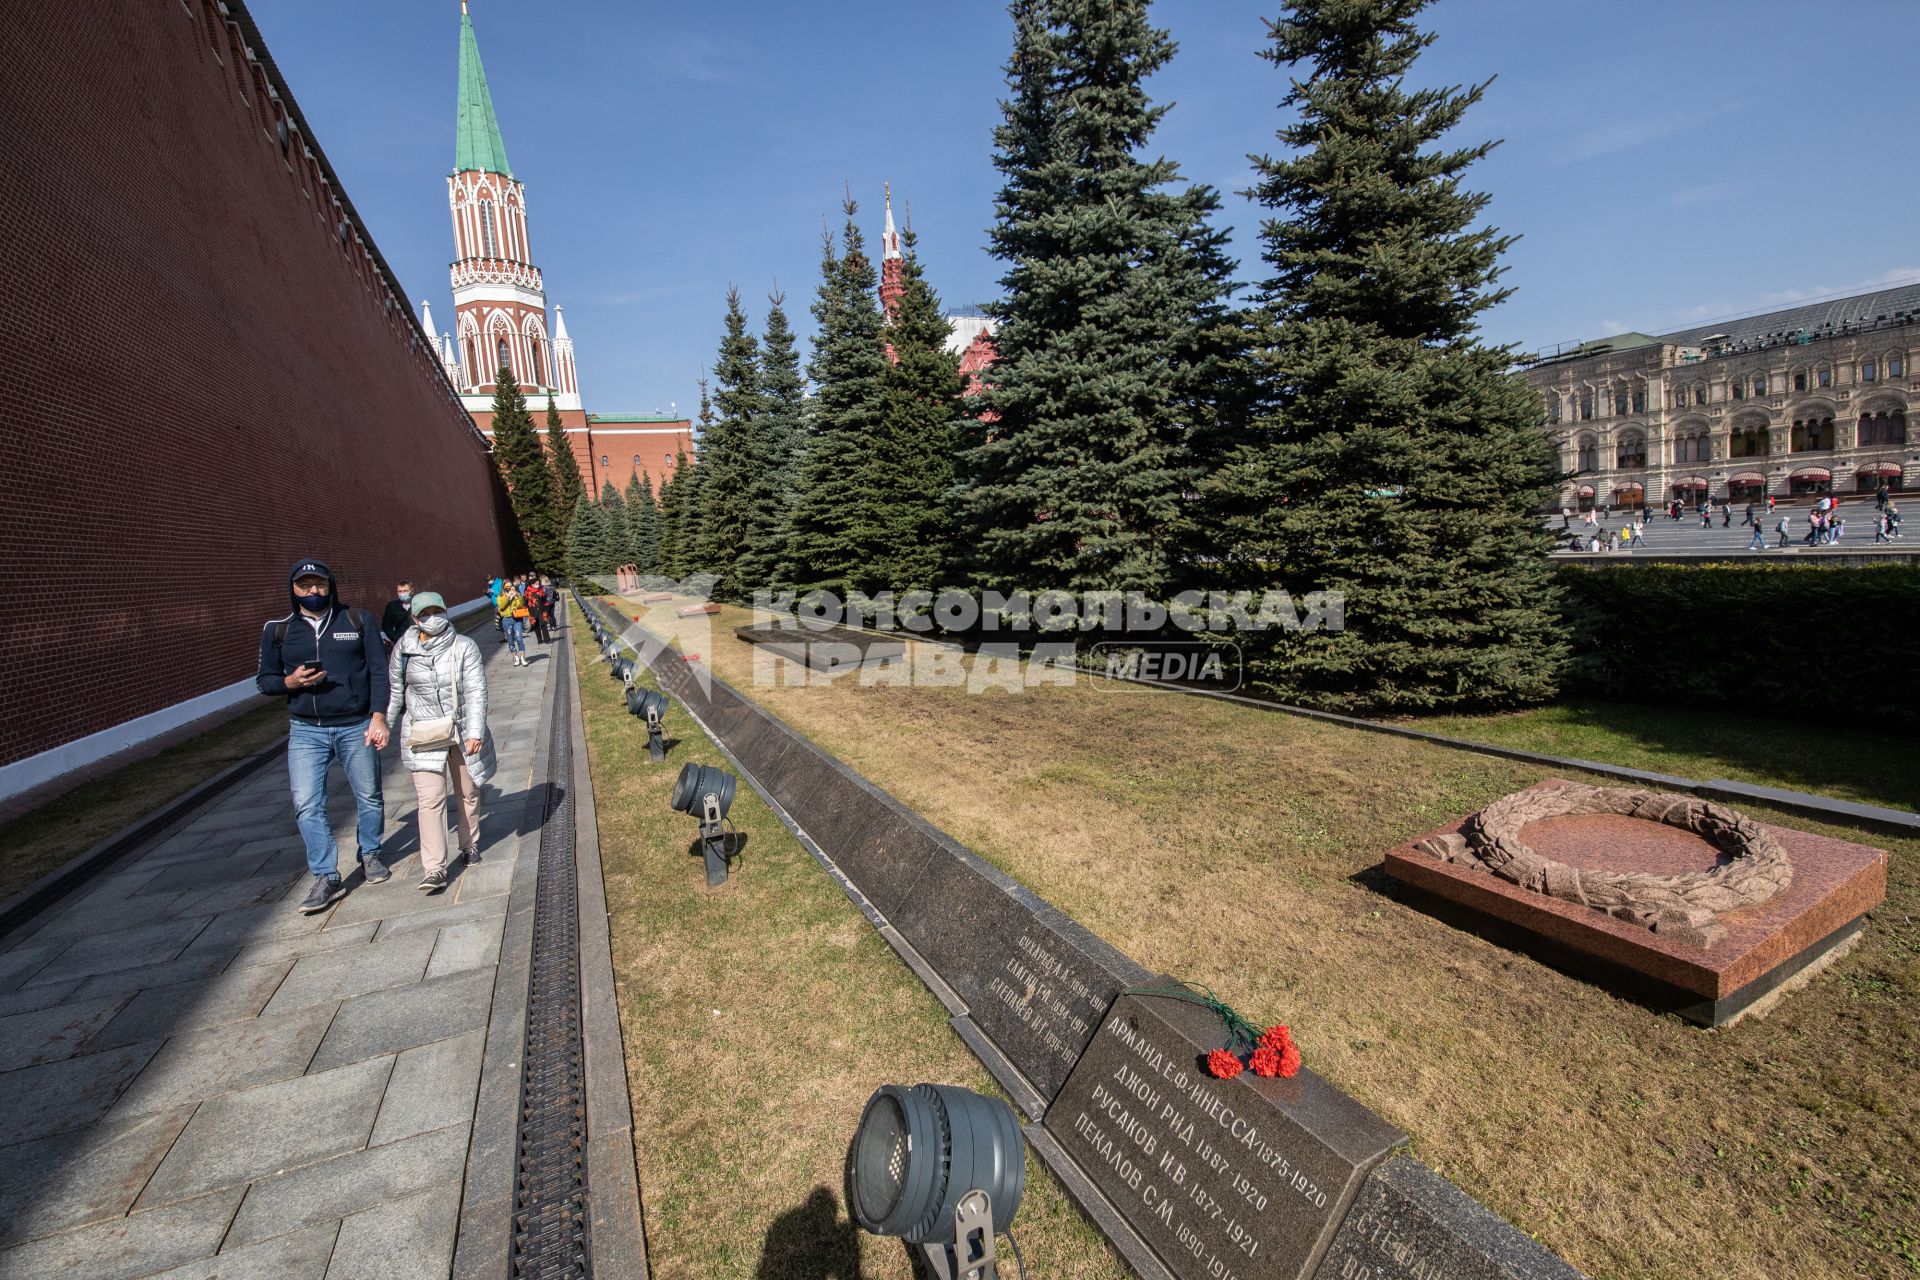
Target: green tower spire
[{"x": 478, "y": 144}]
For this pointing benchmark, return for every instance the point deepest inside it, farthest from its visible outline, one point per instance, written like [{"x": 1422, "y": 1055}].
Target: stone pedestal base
[{"x": 1835, "y": 883}]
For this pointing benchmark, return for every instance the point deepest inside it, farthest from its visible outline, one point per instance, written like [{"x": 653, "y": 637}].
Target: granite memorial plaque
[
  {"x": 1033, "y": 980},
  {"x": 1409, "y": 1223},
  {"x": 1243, "y": 1179}
]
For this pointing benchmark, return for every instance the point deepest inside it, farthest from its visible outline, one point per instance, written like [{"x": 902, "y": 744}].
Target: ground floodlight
[
  {"x": 942, "y": 1168},
  {"x": 651, "y": 706},
  {"x": 706, "y": 792}
]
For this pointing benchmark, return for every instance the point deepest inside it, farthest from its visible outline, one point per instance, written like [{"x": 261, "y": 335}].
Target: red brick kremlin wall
[{"x": 207, "y": 374}]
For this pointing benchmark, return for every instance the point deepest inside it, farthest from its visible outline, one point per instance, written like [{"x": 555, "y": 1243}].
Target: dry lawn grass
[
  {"x": 1237, "y": 848},
  {"x": 42, "y": 839},
  {"x": 758, "y": 1018}
]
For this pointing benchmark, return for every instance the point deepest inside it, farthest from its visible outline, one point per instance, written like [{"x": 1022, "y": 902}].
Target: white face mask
[{"x": 434, "y": 624}]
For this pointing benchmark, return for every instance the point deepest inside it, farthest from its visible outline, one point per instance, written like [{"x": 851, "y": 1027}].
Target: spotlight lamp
[
  {"x": 705, "y": 792},
  {"x": 942, "y": 1168},
  {"x": 651, "y": 705}
]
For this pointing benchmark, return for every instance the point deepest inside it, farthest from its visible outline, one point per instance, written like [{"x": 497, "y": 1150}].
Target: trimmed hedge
[{"x": 1771, "y": 638}]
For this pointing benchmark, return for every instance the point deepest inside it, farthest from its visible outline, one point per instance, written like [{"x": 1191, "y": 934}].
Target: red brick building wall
[
  {"x": 208, "y": 373},
  {"x": 647, "y": 449}
]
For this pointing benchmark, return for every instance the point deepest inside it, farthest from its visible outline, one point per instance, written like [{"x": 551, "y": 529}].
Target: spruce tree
[
  {"x": 783, "y": 401},
  {"x": 613, "y": 543},
  {"x": 1395, "y": 458},
  {"x": 911, "y": 461},
  {"x": 517, "y": 452},
  {"x": 583, "y": 544},
  {"x": 672, "y": 508},
  {"x": 568, "y": 486},
  {"x": 732, "y": 457},
  {"x": 691, "y": 496},
  {"x": 1114, "y": 282},
  {"x": 832, "y": 542},
  {"x": 643, "y": 524}
]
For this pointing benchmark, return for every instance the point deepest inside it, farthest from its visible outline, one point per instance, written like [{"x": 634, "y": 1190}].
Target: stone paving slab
[
  {"x": 300, "y": 1256},
  {"x": 200, "y": 1082},
  {"x": 157, "y": 1012},
  {"x": 347, "y": 1184},
  {"x": 130, "y": 1247},
  {"x": 97, "y": 1174}
]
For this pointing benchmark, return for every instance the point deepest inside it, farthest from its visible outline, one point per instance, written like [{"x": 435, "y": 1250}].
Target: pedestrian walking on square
[
  {"x": 511, "y": 607},
  {"x": 1759, "y": 542},
  {"x": 536, "y": 598},
  {"x": 439, "y": 701},
  {"x": 1839, "y": 530},
  {"x": 394, "y": 618},
  {"x": 1726, "y": 516},
  {"x": 1769, "y": 504},
  {"x": 329, "y": 663},
  {"x": 1784, "y": 528}
]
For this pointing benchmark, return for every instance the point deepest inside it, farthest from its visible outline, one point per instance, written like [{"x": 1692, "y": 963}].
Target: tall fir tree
[
  {"x": 568, "y": 486},
  {"x": 612, "y": 545},
  {"x": 673, "y": 505},
  {"x": 732, "y": 457},
  {"x": 517, "y": 452},
  {"x": 911, "y": 461},
  {"x": 691, "y": 496},
  {"x": 643, "y": 524},
  {"x": 1115, "y": 287},
  {"x": 832, "y": 544},
  {"x": 1394, "y": 458},
  {"x": 783, "y": 398},
  {"x": 585, "y": 544}
]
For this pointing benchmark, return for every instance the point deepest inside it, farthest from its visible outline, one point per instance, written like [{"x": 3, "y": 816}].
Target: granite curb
[
  {"x": 484, "y": 1241},
  {"x": 615, "y": 1214}
]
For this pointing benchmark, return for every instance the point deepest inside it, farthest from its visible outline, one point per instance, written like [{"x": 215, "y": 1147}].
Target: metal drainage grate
[{"x": 550, "y": 1237}]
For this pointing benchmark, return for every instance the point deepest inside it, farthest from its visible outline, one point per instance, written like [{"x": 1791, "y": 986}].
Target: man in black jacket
[
  {"x": 330, "y": 665},
  {"x": 397, "y": 616}
]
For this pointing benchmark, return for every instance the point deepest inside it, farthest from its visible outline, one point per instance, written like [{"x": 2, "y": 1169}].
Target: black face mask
[{"x": 315, "y": 602}]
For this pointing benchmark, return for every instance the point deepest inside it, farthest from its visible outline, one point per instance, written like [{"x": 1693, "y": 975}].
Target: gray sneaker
[
  {"x": 433, "y": 882},
  {"x": 373, "y": 869},
  {"x": 326, "y": 891}
]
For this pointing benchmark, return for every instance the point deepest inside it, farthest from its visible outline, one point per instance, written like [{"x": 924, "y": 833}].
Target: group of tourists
[
  {"x": 519, "y": 605},
  {"x": 348, "y": 682}
]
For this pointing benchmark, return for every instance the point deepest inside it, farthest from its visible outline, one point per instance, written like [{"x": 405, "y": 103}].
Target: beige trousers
[{"x": 431, "y": 788}]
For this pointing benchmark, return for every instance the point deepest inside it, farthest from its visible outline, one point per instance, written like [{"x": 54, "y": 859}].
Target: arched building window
[
  {"x": 1883, "y": 427},
  {"x": 500, "y": 351},
  {"x": 489, "y": 245},
  {"x": 1749, "y": 442},
  {"x": 1811, "y": 435},
  {"x": 1630, "y": 451},
  {"x": 1589, "y": 454}
]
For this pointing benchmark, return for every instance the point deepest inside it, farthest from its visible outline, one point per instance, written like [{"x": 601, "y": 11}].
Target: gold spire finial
[{"x": 885, "y": 186}]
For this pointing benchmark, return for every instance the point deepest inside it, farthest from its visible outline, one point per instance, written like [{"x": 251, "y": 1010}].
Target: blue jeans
[
  {"x": 310, "y": 749},
  {"x": 516, "y": 633}
]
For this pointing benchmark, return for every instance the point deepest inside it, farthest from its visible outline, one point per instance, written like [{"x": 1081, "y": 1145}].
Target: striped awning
[
  {"x": 1812, "y": 473},
  {"x": 1748, "y": 477},
  {"x": 1693, "y": 482},
  {"x": 1879, "y": 469},
  {"x": 1586, "y": 491}
]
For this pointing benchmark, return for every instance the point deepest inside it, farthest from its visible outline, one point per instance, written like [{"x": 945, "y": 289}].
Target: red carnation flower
[
  {"x": 1222, "y": 1065},
  {"x": 1265, "y": 1062},
  {"x": 1289, "y": 1062},
  {"x": 1277, "y": 1038}
]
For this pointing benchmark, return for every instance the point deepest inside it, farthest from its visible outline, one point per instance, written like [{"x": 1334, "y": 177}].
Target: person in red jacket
[{"x": 537, "y": 612}]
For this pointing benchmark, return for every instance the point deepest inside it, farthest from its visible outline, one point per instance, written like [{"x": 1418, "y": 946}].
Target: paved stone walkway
[{"x": 198, "y": 1081}]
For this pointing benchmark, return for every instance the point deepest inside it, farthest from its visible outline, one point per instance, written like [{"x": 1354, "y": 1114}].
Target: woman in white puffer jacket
[{"x": 435, "y": 673}]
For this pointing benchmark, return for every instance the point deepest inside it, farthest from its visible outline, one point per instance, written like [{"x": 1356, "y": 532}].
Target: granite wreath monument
[{"x": 1684, "y": 903}]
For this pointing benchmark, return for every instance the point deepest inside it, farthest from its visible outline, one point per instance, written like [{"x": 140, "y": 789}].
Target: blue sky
[{"x": 1665, "y": 164}]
